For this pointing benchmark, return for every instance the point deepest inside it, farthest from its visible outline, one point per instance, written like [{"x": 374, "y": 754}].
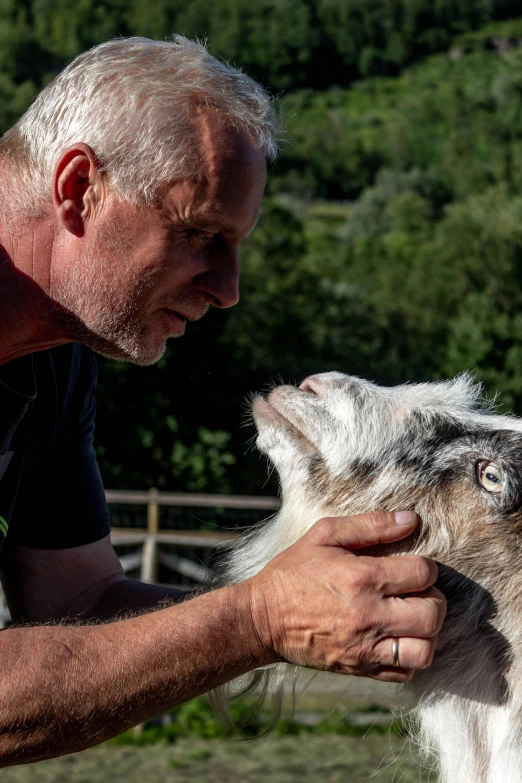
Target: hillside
[{"x": 390, "y": 241}]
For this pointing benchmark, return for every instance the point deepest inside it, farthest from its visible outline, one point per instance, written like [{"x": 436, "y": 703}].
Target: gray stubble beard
[{"x": 90, "y": 312}]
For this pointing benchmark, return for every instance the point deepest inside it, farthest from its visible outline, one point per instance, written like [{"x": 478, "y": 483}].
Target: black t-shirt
[{"x": 51, "y": 493}]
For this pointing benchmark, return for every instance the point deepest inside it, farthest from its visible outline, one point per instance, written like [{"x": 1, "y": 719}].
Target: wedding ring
[{"x": 395, "y": 652}]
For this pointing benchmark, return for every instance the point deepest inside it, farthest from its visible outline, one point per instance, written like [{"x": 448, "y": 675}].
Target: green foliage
[
  {"x": 460, "y": 121},
  {"x": 153, "y": 450},
  {"x": 389, "y": 244},
  {"x": 195, "y": 719},
  {"x": 204, "y": 462},
  {"x": 375, "y": 37},
  {"x": 286, "y": 44},
  {"x": 509, "y": 30}
]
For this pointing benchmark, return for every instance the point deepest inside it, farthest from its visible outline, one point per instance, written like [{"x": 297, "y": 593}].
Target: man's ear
[{"x": 76, "y": 174}]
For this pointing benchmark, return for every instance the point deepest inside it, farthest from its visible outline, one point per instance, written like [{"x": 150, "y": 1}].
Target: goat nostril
[{"x": 310, "y": 385}]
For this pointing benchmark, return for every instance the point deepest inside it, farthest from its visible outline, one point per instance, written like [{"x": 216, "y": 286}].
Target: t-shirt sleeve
[{"x": 66, "y": 506}]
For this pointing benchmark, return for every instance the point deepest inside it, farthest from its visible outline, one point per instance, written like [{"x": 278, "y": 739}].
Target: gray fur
[{"x": 348, "y": 447}]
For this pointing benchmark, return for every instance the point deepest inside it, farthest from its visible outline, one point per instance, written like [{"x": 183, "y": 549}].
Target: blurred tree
[
  {"x": 390, "y": 242},
  {"x": 286, "y": 44}
]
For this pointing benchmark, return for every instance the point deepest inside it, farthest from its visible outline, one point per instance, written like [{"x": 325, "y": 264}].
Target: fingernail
[{"x": 405, "y": 517}]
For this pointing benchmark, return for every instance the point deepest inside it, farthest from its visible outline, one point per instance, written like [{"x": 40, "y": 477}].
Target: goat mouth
[{"x": 267, "y": 409}]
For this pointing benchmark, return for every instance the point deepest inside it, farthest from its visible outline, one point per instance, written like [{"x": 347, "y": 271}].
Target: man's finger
[
  {"x": 415, "y": 616},
  {"x": 413, "y": 653},
  {"x": 357, "y": 532},
  {"x": 390, "y": 674},
  {"x": 404, "y": 573}
]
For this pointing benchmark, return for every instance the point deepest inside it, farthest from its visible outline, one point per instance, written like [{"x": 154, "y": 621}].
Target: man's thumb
[{"x": 375, "y": 527}]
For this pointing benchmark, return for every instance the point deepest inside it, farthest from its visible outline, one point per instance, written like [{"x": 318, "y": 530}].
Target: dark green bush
[{"x": 196, "y": 719}]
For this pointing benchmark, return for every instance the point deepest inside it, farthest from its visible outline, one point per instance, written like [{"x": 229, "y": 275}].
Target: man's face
[{"x": 146, "y": 271}]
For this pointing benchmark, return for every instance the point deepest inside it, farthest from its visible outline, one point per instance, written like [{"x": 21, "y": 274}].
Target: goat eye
[{"x": 489, "y": 477}]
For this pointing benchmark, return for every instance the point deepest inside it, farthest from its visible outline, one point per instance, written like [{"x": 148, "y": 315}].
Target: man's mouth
[
  {"x": 192, "y": 314},
  {"x": 177, "y": 320}
]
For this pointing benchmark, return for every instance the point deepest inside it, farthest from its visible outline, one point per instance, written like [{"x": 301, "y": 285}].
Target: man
[{"x": 125, "y": 191}]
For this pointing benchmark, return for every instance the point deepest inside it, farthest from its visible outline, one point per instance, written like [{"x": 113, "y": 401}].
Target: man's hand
[
  {"x": 64, "y": 688},
  {"x": 320, "y": 604}
]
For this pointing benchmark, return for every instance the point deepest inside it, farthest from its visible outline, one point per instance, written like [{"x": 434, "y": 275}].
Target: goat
[{"x": 343, "y": 446}]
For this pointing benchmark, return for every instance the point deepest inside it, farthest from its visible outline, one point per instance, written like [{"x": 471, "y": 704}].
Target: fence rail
[
  {"x": 148, "y": 549},
  {"x": 152, "y": 496},
  {"x": 148, "y": 558}
]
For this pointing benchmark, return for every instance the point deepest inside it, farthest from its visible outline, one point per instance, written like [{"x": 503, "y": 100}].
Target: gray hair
[{"x": 135, "y": 102}]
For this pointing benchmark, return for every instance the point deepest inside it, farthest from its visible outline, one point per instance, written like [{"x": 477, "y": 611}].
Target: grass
[
  {"x": 349, "y": 740},
  {"x": 281, "y": 759},
  {"x": 196, "y": 720}
]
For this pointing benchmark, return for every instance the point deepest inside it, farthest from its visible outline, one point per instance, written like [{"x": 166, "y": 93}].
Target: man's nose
[{"x": 220, "y": 283}]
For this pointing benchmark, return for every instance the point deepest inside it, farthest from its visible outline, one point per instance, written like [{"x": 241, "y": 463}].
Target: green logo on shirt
[{"x": 4, "y": 527}]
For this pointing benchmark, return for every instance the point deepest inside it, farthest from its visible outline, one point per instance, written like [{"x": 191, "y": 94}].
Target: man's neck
[{"x": 26, "y": 310}]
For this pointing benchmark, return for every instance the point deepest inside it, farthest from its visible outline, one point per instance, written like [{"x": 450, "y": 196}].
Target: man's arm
[
  {"x": 65, "y": 688},
  {"x": 318, "y": 604},
  {"x": 127, "y": 596},
  {"x": 85, "y": 582}
]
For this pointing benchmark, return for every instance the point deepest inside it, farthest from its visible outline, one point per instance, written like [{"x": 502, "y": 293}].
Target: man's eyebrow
[
  {"x": 211, "y": 225},
  {"x": 220, "y": 228}
]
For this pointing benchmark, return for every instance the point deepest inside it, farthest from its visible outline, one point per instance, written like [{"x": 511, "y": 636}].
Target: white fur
[{"x": 470, "y": 700}]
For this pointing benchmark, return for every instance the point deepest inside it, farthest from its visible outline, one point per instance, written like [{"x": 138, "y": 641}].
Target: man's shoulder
[
  {"x": 72, "y": 362},
  {"x": 68, "y": 374},
  {"x": 71, "y": 355}
]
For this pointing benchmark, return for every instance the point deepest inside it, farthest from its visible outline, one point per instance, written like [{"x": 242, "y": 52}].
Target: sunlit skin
[{"x": 123, "y": 278}]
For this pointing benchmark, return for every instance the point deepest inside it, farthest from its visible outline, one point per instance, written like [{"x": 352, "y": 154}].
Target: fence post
[
  {"x": 149, "y": 559},
  {"x": 153, "y": 512}
]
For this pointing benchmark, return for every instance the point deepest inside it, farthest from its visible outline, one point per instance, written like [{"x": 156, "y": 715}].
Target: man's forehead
[
  {"x": 227, "y": 191},
  {"x": 222, "y": 143}
]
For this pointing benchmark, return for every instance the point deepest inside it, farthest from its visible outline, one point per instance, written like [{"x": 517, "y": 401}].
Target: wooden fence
[
  {"x": 158, "y": 547},
  {"x": 151, "y": 546}
]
